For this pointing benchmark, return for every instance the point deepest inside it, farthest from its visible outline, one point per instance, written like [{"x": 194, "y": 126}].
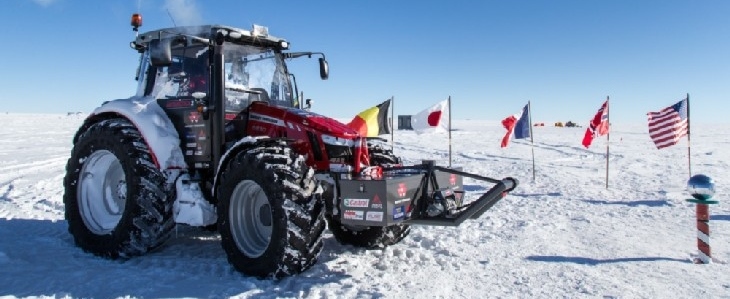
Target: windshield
[{"x": 253, "y": 73}]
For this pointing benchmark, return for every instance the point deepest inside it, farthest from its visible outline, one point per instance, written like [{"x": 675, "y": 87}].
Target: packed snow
[{"x": 562, "y": 235}]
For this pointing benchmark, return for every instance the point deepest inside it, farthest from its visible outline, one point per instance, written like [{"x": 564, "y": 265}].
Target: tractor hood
[
  {"x": 322, "y": 123},
  {"x": 297, "y": 120}
]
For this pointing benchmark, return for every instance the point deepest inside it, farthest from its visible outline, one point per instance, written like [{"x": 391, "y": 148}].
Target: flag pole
[
  {"x": 532, "y": 140},
  {"x": 689, "y": 152},
  {"x": 449, "y": 105},
  {"x": 392, "y": 121},
  {"x": 608, "y": 136}
]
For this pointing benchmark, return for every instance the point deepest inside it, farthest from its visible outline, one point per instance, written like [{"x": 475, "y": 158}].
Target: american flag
[{"x": 670, "y": 124}]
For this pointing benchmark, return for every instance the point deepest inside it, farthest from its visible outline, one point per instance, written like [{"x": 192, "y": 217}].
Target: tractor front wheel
[{"x": 270, "y": 212}]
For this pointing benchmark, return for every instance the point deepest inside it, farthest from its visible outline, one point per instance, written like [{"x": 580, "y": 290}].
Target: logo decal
[
  {"x": 353, "y": 215},
  {"x": 402, "y": 190},
  {"x": 194, "y": 117},
  {"x": 374, "y": 216},
  {"x": 377, "y": 204},
  {"x": 172, "y": 104},
  {"x": 399, "y": 212},
  {"x": 356, "y": 202},
  {"x": 452, "y": 179}
]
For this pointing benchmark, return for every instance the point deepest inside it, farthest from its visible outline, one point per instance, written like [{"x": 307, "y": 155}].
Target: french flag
[{"x": 517, "y": 125}]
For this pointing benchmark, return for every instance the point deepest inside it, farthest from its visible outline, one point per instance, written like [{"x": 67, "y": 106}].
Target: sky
[
  {"x": 491, "y": 57},
  {"x": 562, "y": 235}
]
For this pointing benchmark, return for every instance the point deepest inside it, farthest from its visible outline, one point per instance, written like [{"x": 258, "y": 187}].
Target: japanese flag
[{"x": 433, "y": 119}]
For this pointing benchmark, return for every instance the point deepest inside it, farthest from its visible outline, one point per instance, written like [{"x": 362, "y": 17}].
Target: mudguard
[{"x": 151, "y": 121}]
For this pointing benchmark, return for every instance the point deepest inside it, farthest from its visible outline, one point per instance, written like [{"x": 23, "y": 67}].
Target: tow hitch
[{"x": 424, "y": 194}]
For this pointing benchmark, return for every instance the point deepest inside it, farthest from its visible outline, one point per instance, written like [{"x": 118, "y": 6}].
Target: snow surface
[{"x": 563, "y": 235}]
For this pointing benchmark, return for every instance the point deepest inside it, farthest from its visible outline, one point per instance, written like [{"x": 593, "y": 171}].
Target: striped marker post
[{"x": 703, "y": 230}]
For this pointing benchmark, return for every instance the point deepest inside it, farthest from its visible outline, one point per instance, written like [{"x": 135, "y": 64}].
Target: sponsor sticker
[
  {"x": 189, "y": 134},
  {"x": 400, "y": 201},
  {"x": 374, "y": 216},
  {"x": 376, "y": 204},
  {"x": 178, "y": 104},
  {"x": 353, "y": 215},
  {"x": 194, "y": 117},
  {"x": 356, "y": 202},
  {"x": 402, "y": 190},
  {"x": 399, "y": 212}
]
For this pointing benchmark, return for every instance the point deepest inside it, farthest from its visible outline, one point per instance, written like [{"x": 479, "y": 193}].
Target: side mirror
[
  {"x": 161, "y": 52},
  {"x": 324, "y": 69},
  {"x": 308, "y": 104}
]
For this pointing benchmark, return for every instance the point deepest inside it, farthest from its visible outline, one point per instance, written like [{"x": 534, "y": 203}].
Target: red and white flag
[
  {"x": 433, "y": 119},
  {"x": 598, "y": 126}
]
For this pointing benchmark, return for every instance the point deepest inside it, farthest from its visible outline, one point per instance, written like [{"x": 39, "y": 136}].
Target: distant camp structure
[
  {"x": 568, "y": 124},
  {"x": 404, "y": 122}
]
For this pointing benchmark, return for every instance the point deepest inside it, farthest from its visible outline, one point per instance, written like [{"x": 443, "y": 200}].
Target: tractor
[{"x": 218, "y": 136}]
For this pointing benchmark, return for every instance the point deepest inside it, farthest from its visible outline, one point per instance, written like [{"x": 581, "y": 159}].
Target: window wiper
[{"x": 243, "y": 89}]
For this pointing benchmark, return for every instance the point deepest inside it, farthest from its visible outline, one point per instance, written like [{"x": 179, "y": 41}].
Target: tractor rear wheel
[
  {"x": 270, "y": 211},
  {"x": 116, "y": 200},
  {"x": 371, "y": 236}
]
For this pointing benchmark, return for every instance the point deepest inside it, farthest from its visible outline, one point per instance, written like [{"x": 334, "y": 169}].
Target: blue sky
[{"x": 491, "y": 57}]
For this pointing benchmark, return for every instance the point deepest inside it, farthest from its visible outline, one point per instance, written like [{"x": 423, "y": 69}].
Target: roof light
[
  {"x": 136, "y": 21},
  {"x": 284, "y": 45},
  {"x": 259, "y": 30}
]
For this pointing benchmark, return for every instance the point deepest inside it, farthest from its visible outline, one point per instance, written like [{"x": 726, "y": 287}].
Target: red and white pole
[
  {"x": 704, "y": 255},
  {"x": 701, "y": 187},
  {"x": 703, "y": 235}
]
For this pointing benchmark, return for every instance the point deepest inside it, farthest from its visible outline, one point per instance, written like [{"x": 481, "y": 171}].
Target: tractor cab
[
  {"x": 176, "y": 62},
  {"x": 207, "y": 78}
]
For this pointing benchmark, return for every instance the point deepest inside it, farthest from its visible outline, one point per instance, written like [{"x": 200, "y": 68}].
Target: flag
[
  {"x": 517, "y": 125},
  {"x": 372, "y": 121},
  {"x": 599, "y": 125},
  {"x": 669, "y": 124},
  {"x": 433, "y": 119}
]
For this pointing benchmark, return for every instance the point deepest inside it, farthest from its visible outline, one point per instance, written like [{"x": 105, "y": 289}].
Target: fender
[
  {"x": 231, "y": 152},
  {"x": 156, "y": 128}
]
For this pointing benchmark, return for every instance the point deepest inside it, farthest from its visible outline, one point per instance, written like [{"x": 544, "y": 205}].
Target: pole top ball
[{"x": 701, "y": 187}]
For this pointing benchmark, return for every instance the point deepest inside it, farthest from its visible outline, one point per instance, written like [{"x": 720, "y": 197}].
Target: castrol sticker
[{"x": 356, "y": 202}]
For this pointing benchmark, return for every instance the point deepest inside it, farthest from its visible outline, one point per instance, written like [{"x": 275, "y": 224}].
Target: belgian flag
[{"x": 373, "y": 121}]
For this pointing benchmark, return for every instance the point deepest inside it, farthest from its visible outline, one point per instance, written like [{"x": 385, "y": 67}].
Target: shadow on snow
[
  {"x": 6, "y": 193},
  {"x": 536, "y": 194},
  {"x": 594, "y": 262},
  {"x": 39, "y": 258},
  {"x": 635, "y": 203},
  {"x": 720, "y": 217}
]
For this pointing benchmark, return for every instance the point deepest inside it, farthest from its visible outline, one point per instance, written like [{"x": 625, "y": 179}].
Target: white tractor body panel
[{"x": 159, "y": 133}]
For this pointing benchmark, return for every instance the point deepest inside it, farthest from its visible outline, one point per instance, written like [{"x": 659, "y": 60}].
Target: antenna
[{"x": 171, "y": 18}]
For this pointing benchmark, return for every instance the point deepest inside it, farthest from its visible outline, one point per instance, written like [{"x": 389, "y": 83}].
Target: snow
[{"x": 562, "y": 235}]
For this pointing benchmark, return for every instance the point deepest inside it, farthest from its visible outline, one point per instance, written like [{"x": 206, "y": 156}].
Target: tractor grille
[{"x": 340, "y": 154}]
